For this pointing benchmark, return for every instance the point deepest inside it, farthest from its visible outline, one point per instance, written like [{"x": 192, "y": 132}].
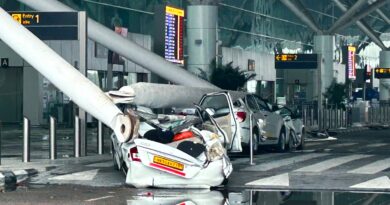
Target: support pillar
[
  {"x": 384, "y": 84},
  {"x": 323, "y": 76},
  {"x": 323, "y": 45},
  {"x": 202, "y": 38}
]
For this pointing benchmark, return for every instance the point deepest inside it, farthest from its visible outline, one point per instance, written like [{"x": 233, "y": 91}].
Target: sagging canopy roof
[{"x": 163, "y": 95}]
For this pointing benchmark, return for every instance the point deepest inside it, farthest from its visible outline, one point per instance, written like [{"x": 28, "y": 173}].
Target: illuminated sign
[
  {"x": 296, "y": 61},
  {"x": 174, "y": 27},
  {"x": 4, "y": 62},
  {"x": 49, "y": 25},
  {"x": 351, "y": 65},
  {"x": 382, "y": 73}
]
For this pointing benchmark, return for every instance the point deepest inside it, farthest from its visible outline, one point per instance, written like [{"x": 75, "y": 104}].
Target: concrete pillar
[
  {"x": 201, "y": 37},
  {"x": 384, "y": 84},
  {"x": 324, "y": 46}
]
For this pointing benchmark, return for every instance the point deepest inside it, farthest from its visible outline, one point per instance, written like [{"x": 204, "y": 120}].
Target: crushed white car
[{"x": 171, "y": 151}]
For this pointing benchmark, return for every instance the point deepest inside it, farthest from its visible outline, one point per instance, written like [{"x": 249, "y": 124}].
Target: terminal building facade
[{"x": 246, "y": 33}]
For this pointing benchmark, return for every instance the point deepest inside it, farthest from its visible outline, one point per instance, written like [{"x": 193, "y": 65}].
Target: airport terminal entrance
[{"x": 11, "y": 95}]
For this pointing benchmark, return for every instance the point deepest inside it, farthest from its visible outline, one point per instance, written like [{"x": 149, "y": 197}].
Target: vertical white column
[
  {"x": 201, "y": 37},
  {"x": 384, "y": 84}
]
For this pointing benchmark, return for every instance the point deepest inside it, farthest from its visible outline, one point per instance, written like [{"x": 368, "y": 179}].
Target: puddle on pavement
[
  {"x": 126, "y": 195},
  {"x": 250, "y": 197}
]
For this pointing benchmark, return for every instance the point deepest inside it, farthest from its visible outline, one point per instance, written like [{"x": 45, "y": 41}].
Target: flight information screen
[{"x": 174, "y": 27}]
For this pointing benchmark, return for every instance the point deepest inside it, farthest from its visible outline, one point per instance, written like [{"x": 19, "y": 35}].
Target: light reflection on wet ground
[{"x": 68, "y": 194}]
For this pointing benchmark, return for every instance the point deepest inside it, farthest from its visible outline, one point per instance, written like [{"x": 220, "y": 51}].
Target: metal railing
[
  {"x": 53, "y": 151},
  {"x": 333, "y": 117}
]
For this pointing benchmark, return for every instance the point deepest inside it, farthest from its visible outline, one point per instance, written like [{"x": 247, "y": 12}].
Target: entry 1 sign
[
  {"x": 49, "y": 25},
  {"x": 296, "y": 61}
]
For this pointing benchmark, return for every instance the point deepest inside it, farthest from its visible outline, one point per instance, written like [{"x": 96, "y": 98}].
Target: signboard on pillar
[
  {"x": 296, "y": 61},
  {"x": 351, "y": 63},
  {"x": 382, "y": 73},
  {"x": 251, "y": 65},
  {"x": 169, "y": 33}
]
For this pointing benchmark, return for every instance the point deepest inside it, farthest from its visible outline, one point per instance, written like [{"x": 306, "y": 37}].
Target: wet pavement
[
  {"x": 72, "y": 194},
  {"x": 326, "y": 172}
]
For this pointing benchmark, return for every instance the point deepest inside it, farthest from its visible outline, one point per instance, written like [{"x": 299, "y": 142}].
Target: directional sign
[
  {"x": 49, "y": 25},
  {"x": 296, "y": 61},
  {"x": 4, "y": 62},
  {"x": 382, "y": 73}
]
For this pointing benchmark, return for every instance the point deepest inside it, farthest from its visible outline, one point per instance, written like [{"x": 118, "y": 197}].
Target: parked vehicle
[
  {"x": 294, "y": 126},
  {"x": 268, "y": 127}
]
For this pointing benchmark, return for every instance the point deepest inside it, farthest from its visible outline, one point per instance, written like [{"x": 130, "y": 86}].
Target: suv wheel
[
  {"x": 282, "y": 141},
  {"x": 291, "y": 145},
  {"x": 301, "y": 146},
  {"x": 255, "y": 144}
]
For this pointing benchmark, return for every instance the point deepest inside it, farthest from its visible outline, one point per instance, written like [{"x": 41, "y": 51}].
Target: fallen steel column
[
  {"x": 365, "y": 28},
  {"x": 64, "y": 76},
  {"x": 127, "y": 48}
]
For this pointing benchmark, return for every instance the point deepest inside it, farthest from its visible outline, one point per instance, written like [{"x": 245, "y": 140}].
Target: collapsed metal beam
[
  {"x": 383, "y": 16},
  {"x": 63, "y": 75},
  {"x": 347, "y": 15},
  {"x": 299, "y": 10},
  {"x": 368, "y": 10},
  {"x": 364, "y": 27},
  {"x": 127, "y": 48}
]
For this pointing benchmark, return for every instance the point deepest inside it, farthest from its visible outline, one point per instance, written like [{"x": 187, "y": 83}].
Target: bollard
[
  {"x": 312, "y": 117},
  {"x": 1, "y": 127},
  {"x": 26, "y": 140},
  {"x": 53, "y": 143},
  {"x": 250, "y": 140},
  {"x": 251, "y": 197},
  {"x": 76, "y": 136},
  {"x": 100, "y": 140}
]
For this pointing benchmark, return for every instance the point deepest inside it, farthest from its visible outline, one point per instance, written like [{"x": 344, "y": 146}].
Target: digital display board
[
  {"x": 49, "y": 25},
  {"x": 382, "y": 73},
  {"x": 351, "y": 65},
  {"x": 174, "y": 27},
  {"x": 296, "y": 61}
]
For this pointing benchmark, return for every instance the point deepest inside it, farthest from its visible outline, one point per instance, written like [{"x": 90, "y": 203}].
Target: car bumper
[{"x": 142, "y": 176}]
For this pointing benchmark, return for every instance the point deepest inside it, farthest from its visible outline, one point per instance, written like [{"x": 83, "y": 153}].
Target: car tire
[
  {"x": 302, "y": 144},
  {"x": 115, "y": 159},
  {"x": 291, "y": 146},
  {"x": 282, "y": 141},
  {"x": 256, "y": 138},
  {"x": 255, "y": 143}
]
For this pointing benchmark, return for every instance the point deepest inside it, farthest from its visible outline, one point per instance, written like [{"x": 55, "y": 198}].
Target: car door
[
  {"x": 222, "y": 105},
  {"x": 272, "y": 120}
]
